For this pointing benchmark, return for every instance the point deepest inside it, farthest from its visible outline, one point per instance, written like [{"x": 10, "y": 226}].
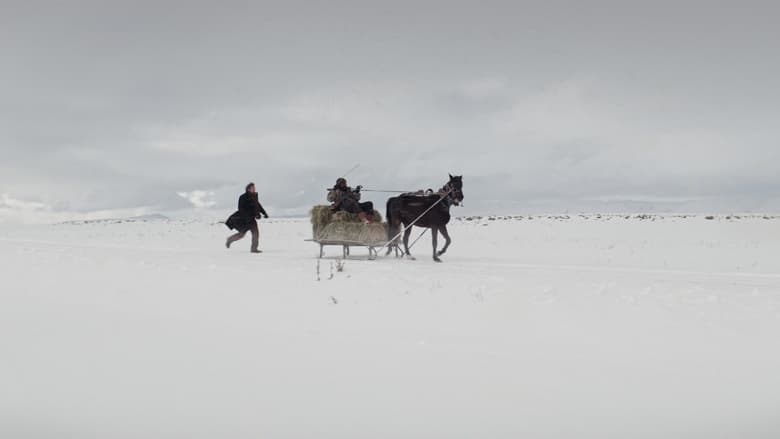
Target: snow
[{"x": 547, "y": 327}]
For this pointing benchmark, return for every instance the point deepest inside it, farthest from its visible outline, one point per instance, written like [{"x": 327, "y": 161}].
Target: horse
[{"x": 433, "y": 210}]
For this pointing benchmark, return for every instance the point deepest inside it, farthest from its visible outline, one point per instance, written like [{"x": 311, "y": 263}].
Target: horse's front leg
[
  {"x": 447, "y": 240},
  {"x": 435, "y": 239},
  {"x": 407, "y": 232},
  {"x": 393, "y": 247}
]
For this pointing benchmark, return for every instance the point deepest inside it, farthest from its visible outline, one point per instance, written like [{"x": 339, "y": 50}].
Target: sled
[{"x": 346, "y": 230}]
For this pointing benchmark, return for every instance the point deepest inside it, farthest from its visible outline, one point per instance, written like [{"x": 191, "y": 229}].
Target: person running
[{"x": 245, "y": 219}]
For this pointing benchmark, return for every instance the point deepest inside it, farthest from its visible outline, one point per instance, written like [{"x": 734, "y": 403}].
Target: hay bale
[
  {"x": 321, "y": 215},
  {"x": 347, "y": 217},
  {"x": 354, "y": 231}
]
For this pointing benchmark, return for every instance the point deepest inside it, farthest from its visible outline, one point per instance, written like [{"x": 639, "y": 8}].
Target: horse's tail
[{"x": 391, "y": 226}]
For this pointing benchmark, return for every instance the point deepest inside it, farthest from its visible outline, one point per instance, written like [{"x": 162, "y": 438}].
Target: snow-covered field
[{"x": 549, "y": 327}]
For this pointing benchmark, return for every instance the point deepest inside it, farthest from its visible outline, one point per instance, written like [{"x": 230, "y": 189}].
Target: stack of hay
[{"x": 345, "y": 226}]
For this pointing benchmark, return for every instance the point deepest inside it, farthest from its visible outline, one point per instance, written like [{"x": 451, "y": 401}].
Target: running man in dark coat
[{"x": 249, "y": 211}]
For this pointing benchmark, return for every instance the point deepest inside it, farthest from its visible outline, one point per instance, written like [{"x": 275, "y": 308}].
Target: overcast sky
[{"x": 167, "y": 106}]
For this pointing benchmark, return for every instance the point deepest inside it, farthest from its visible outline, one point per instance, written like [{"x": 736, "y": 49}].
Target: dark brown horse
[{"x": 433, "y": 211}]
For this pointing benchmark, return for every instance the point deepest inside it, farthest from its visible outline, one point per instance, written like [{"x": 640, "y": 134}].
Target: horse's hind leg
[
  {"x": 447, "y": 240},
  {"x": 435, "y": 239},
  {"x": 391, "y": 229}
]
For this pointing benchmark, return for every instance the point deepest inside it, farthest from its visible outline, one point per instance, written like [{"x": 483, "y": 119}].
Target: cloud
[
  {"x": 199, "y": 199},
  {"x": 9, "y": 203},
  {"x": 16, "y": 210},
  {"x": 529, "y": 101}
]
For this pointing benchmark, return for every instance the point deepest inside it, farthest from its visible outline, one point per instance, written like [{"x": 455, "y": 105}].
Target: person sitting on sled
[{"x": 344, "y": 198}]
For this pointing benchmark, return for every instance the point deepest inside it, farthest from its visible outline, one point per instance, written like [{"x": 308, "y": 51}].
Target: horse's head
[{"x": 455, "y": 188}]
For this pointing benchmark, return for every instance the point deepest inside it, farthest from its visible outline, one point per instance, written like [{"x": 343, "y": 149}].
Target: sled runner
[{"x": 373, "y": 247}]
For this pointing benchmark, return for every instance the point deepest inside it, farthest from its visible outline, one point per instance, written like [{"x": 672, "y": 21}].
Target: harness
[
  {"x": 443, "y": 197},
  {"x": 448, "y": 190}
]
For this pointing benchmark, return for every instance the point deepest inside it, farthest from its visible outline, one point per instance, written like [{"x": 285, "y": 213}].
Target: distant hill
[{"x": 152, "y": 217}]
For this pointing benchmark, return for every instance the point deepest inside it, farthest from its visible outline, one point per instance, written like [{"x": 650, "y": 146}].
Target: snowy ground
[{"x": 561, "y": 327}]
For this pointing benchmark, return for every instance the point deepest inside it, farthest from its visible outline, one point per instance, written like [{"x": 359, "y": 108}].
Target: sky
[{"x": 116, "y": 107}]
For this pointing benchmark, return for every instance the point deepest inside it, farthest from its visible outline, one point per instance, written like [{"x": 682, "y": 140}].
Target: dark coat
[
  {"x": 249, "y": 209},
  {"x": 343, "y": 198}
]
